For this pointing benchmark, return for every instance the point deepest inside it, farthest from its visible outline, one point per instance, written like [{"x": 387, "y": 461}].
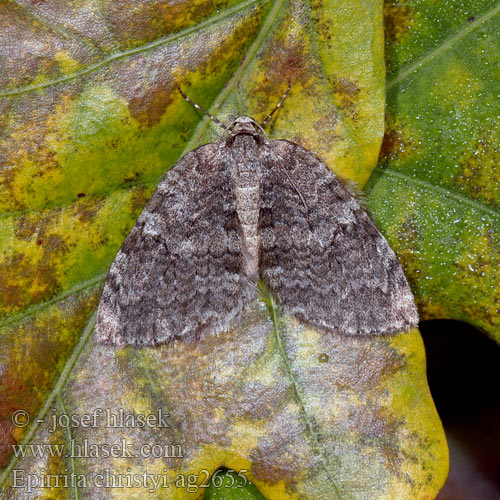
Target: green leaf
[
  {"x": 435, "y": 193},
  {"x": 90, "y": 120},
  {"x": 231, "y": 487}
]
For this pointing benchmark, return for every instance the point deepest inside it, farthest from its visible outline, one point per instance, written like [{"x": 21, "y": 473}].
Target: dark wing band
[
  {"x": 322, "y": 256},
  {"x": 179, "y": 272}
]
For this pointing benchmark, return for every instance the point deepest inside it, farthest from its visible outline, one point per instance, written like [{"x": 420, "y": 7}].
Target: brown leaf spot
[
  {"x": 26, "y": 228},
  {"x": 327, "y": 121},
  {"x": 148, "y": 108},
  {"x": 134, "y": 22},
  {"x": 398, "y": 20},
  {"x": 24, "y": 281},
  {"x": 11, "y": 387},
  {"x": 346, "y": 93},
  {"x": 6, "y": 441},
  {"x": 139, "y": 199},
  {"x": 289, "y": 62},
  {"x": 12, "y": 295},
  {"x": 479, "y": 175},
  {"x": 346, "y": 87},
  {"x": 148, "y": 94},
  {"x": 286, "y": 61},
  {"x": 86, "y": 211},
  {"x": 182, "y": 13},
  {"x": 43, "y": 343},
  {"x": 395, "y": 146}
]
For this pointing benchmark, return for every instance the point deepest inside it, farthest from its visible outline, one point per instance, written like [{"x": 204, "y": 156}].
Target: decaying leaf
[{"x": 90, "y": 119}]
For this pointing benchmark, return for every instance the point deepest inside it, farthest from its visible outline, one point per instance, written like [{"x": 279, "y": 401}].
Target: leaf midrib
[
  {"x": 75, "y": 355},
  {"x": 299, "y": 398},
  {"x": 261, "y": 36}
]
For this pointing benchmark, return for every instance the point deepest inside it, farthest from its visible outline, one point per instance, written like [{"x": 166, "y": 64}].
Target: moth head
[{"x": 245, "y": 125}]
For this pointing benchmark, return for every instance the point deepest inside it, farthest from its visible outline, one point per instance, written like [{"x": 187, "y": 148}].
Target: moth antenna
[
  {"x": 283, "y": 97},
  {"x": 238, "y": 98},
  {"x": 204, "y": 111}
]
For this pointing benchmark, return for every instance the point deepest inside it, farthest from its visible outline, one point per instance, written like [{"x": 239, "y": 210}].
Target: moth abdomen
[{"x": 245, "y": 164}]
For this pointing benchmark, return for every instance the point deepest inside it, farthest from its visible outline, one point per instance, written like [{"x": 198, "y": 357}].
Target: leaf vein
[
  {"x": 475, "y": 204},
  {"x": 136, "y": 50},
  {"x": 59, "y": 385},
  {"x": 447, "y": 44},
  {"x": 233, "y": 82},
  {"x": 17, "y": 318}
]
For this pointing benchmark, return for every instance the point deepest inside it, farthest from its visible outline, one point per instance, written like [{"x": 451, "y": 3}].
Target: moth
[{"x": 247, "y": 208}]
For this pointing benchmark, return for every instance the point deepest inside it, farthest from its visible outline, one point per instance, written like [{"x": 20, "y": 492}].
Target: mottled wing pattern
[
  {"x": 322, "y": 256},
  {"x": 179, "y": 272}
]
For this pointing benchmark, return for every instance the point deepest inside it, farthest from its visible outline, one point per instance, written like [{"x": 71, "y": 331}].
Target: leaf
[
  {"x": 435, "y": 192},
  {"x": 224, "y": 483},
  {"x": 90, "y": 120}
]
